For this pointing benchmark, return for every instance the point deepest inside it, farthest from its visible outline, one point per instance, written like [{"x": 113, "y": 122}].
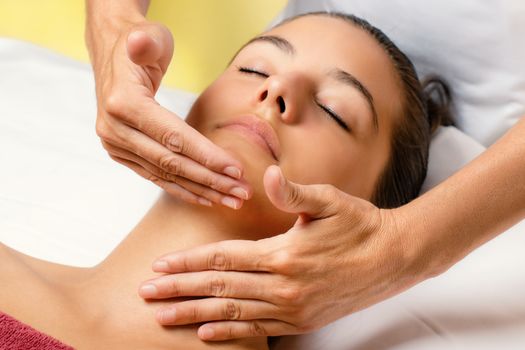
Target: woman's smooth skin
[{"x": 99, "y": 307}]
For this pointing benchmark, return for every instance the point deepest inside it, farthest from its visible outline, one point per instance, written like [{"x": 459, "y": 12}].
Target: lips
[{"x": 258, "y": 130}]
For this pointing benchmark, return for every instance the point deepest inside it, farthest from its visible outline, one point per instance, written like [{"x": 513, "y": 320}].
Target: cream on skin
[{"x": 99, "y": 306}]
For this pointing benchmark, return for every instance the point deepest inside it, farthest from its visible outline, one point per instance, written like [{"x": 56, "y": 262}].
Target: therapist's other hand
[
  {"x": 141, "y": 134},
  {"x": 342, "y": 255}
]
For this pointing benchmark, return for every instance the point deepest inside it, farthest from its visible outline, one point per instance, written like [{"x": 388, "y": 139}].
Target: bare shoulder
[
  {"x": 27, "y": 284},
  {"x": 15, "y": 276},
  {"x": 11, "y": 266}
]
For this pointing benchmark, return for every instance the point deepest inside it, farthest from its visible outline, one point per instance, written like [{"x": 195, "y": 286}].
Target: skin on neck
[{"x": 103, "y": 300}]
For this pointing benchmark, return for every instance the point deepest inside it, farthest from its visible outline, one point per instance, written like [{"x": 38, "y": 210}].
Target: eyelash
[{"x": 327, "y": 110}]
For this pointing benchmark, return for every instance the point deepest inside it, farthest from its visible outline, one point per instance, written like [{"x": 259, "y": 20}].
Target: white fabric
[
  {"x": 478, "y": 47},
  {"x": 63, "y": 199}
]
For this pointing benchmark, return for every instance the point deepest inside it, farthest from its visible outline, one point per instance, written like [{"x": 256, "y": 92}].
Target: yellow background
[{"x": 207, "y": 32}]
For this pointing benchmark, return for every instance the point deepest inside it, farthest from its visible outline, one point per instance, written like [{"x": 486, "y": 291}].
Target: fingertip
[
  {"x": 137, "y": 35},
  {"x": 274, "y": 181},
  {"x": 142, "y": 47},
  {"x": 166, "y": 316},
  {"x": 159, "y": 317},
  {"x": 148, "y": 291},
  {"x": 232, "y": 202},
  {"x": 206, "y": 332},
  {"x": 205, "y": 202},
  {"x": 160, "y": 266},
  {"x": 272, "y": 174},
  {"x": 233, "y": 171}
]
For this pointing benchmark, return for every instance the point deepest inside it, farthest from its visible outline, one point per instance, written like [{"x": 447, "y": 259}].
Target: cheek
[
  {"x": 221, "y": 100},
  {"x": 315, "y": 155},
  {"x": 321, "y": 156}
]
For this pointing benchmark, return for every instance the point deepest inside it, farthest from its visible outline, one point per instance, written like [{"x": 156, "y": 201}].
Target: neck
[{"x": 109, "y": 290}]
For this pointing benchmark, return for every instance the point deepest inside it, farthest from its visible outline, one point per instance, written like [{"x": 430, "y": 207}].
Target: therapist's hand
[
  {"x": 144, "y": 136},
  {"x": 342, "y": 255}
]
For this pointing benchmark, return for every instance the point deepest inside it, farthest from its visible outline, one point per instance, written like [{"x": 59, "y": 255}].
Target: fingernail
[
  {"x": 231, "y": 202},
  {"x": 239, "y": 192},
  {"x": 282, "y": 180},
  {"x": 167, "y": 316},
  {"x": 206, "y": 333},
  {"x": 161, "y": 266},
  {"x": 233, "y": 172},
  {"x": 148, "y": 291},
  {"x": 205, "y": 202},
  {"x": 136, "y": 33}
]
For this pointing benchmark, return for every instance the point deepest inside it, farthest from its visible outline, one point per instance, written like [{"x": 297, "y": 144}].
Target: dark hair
[{"x": 425, "y": 106}]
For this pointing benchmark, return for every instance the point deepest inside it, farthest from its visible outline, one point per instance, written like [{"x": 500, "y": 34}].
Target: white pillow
[{"x": 478, "y": 47}]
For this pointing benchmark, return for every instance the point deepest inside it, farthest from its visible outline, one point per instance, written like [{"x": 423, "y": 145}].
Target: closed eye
[
  {"x": 334, "y": 116},
  {"x": 248, "y": 70}
]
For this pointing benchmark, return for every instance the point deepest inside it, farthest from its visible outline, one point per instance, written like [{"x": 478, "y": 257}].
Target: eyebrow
[{"x": 336, "y": 73}]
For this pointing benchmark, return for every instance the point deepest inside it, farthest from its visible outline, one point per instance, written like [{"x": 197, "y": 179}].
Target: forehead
[{"x": 317, "y": 35}]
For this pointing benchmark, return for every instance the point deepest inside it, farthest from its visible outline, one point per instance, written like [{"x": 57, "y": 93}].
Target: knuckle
[
  {"x": 163, "y": 174},
  {"x": 230, "y": 333},
  {"x": 194, "y": 315},
  {"x": 217, "y": 260},
  {"x": 232, "y": 310},
  {"x": 205, "y": 160},
  {"x": 115, "y": 158},
  {"x": 295, "y": 196},
  {"x": 114, "y": 102},
  {"x": 172, "y": 164},
  {"x": 335, "y": 198},
  {"x": 173, "y": 288},
  {"x": 211, "y": 182},
  {"x": 154, "y": 179},
  {"x": 305, "y": 327},
  {"x": 289, "y": 294},
  {"x": 330, "y": 191},
  {"x": 173, "y": 140},
  {"x": 106, "y": 146},
  {"x": 257, "y": 329},
  {"x": 217, "y": 287},
  {"x": 102, "y": 130},
  {"x": 282, "y": 262}
]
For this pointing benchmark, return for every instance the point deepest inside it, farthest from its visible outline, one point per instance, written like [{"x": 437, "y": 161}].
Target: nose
[{"x": 279, "y": 96}]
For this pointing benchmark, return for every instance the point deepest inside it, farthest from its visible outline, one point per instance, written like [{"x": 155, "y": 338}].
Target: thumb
[
  {"x": 312, "y": 201},
  {"x": 150, "y": 46}
]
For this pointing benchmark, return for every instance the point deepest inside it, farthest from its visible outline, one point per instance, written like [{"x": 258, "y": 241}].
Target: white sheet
[{"x": 63, "y": 199}]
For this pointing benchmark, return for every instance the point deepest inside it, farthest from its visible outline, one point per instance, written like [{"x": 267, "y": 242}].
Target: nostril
[
  {"x": 264, "y": 95},
  {"x": 282, "y": 106}
]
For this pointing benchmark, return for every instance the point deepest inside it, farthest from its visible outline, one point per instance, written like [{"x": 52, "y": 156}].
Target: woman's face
[{"x": 315, "y": 96}]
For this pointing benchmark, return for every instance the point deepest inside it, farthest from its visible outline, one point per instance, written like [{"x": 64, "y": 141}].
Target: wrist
[
  {"x": 428, "y": 250},
  {"x": 417, "y": 251},
  {"x": 106, "y": 21}
]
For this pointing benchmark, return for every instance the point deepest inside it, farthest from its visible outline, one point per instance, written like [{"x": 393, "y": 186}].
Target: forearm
[
  {"x": 471, "y": 207},
  {"x": 106, "y": 20}
]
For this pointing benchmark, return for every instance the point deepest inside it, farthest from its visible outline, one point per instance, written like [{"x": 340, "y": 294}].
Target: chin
[{"x": 258, "y": 218}]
